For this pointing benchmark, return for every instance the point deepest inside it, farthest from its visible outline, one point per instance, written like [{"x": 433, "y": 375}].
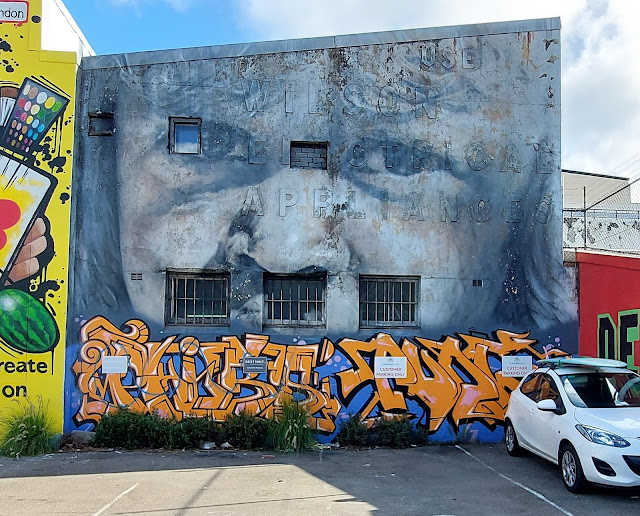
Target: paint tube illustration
[{"x": 24, "y": 195}]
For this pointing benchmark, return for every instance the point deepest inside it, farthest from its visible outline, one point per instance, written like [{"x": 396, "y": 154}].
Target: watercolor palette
[{"x": 36, "y": 109}]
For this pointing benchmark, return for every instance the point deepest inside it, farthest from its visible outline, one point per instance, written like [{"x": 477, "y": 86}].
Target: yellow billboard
[{"x": 36, "y": 152}]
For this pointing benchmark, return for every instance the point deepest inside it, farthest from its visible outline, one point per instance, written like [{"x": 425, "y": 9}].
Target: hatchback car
[{"x": 583, "y": 414}]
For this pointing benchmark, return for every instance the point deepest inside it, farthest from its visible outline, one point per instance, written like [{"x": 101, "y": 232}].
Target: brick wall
[{"x": 308, "y": 155}]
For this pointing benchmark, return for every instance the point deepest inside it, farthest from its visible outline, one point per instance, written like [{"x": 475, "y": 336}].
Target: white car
[{"x": 583, "y": 414}]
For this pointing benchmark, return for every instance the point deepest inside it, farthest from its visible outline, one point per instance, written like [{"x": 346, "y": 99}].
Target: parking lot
[{"x": 434, "y": 480}]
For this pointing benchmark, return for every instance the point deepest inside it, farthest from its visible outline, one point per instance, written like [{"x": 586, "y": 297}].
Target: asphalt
[{"x": 433, "y": 480}]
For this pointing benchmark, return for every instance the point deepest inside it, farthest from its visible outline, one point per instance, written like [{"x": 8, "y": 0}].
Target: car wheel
[
  {"x": 511, "y": 441},
  {"x": 572, "y": 474}
]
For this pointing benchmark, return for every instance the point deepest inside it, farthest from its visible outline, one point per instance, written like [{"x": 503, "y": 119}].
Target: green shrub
[
  {"x": 192, "y": 432},
  {"x": 353, "y": 432},
  {"x": 26, "y": 429},
  {"x": 291, "y": 431},
  {"x": 394, "y": 433},
  {"x": 127, "y": 429},
  {"x": 245, "y": 430}
]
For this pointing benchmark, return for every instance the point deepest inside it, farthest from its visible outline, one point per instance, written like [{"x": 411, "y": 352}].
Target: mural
[
  {"x": 36, "y": 140},
  {"x": 621, "y": 340},
  {"x": 442, "y": 170},
  {"x": 449, "y": 382}
]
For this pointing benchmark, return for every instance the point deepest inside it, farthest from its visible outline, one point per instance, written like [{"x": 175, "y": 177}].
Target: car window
[
  {"x": 528, "y": 387},
  {"x": 548, "y": 390},
  {"x": 597, "y": 389}
]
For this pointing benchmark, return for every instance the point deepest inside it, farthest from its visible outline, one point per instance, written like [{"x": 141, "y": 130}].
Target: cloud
[{"x": 600, "y": 42}]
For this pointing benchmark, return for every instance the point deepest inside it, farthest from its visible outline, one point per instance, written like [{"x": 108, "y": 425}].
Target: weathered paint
[
  {"x": 443, "y": 163},
  {"x": 34, "y": 243},
  {"x": 609, "y": 306}
]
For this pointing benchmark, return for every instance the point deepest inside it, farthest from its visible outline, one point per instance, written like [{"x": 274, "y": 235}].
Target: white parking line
[
  {"x": 115, "y": 500},
  {"x": 522, "y": 486}
]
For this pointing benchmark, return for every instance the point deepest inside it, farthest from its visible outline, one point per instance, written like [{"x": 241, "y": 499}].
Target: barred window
[
  {"x": 197, "y": 298},
  {"x": 388, "y": 301},
  {"x": 294, "y": 299}
]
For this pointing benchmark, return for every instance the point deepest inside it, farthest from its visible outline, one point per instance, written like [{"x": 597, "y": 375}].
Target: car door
[
  {"x": 520, "y": 408},
  {"x": 543, "y": 424}
]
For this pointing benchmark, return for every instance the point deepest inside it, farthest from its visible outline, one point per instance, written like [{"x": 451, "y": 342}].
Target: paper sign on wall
[
  {"x": 115, "y": 364},
  {"x": 390, "y": 367},
  {"x": 516, "y": 366}
]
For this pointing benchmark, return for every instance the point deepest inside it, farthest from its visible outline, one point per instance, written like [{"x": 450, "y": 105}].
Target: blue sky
[{"x": 600, "y": 42}]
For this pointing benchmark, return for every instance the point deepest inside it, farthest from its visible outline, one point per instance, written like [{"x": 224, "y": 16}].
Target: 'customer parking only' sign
[
  {"x": 516, "y": 366},
  {"x": 390, "y": 367}
]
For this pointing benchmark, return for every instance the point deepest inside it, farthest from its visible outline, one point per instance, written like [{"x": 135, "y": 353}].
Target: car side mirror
[{"x": 547, "y": 405}]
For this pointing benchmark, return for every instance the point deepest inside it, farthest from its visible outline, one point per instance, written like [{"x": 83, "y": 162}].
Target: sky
[{"x": 600, "y": 48}]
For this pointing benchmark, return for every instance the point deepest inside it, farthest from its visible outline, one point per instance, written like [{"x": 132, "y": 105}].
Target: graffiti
[
  {"x": 620, "y": 341},
  {"x": 457, "y": 379}
]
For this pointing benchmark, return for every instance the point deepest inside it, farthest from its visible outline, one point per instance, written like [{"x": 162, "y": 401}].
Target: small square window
[
  {"x": 200, "y": 298},
  {"x": 184, "y": 136},
  {"x": 388, "y": 301},
  {"x": 101, "y": 124},
  {"x": 308, "y": 155},
  {"x": 477, "y": 282},
  {"x": 294, "y": 299}
]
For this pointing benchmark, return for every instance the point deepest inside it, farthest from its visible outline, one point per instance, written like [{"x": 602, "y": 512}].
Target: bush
[
  {"x": 26, "y": 429},
  {"x": 245, "y": 430},
  {"x": 192, "y": 432},
  {"x": 291, "y": 430},
  {"x": 127, "y": 429},
  {"x": 394, "y": 433},
  {"x": 353, "y": 432}
]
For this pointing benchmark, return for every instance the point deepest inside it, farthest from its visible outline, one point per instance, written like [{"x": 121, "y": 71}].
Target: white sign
[
  {"x": 115, "y": 365},
  {"x": 516, "y": 366},
  {"x": 14, "y": 11},
  {"x": 390, "y": 367}
]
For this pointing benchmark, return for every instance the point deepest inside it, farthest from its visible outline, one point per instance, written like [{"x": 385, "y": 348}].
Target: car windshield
[{"x": 597, "y": 389}]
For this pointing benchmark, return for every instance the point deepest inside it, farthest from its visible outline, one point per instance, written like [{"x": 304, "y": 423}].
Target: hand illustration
[{"x": 27, "y": 263}]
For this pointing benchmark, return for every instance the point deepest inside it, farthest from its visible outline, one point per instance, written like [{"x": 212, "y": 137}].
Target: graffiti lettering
[
  {"x": 621, "y": 341},
  {"x": 457, "y": 379}
]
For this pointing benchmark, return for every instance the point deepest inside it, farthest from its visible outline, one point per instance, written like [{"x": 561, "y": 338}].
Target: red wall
[{"x": 609, "y": 284}]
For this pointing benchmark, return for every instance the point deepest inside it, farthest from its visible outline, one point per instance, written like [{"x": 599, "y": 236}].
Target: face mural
[
  {"x": 432, "y": 159},
  {"x": 36, "y": 140}
]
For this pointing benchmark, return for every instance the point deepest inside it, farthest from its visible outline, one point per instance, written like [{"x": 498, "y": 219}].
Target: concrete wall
[{"x": 443, "y": 164}]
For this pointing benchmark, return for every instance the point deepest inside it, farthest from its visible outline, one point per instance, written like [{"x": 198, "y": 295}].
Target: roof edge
[{"x": 319, "y": 43}]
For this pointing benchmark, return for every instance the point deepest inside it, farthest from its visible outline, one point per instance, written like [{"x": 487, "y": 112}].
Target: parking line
[
  {"x": 115, "y": 500},
  {"x": 514, "y": 482}
]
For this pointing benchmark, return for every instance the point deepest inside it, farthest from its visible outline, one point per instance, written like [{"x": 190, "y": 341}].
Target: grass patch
[
  {"x": 26, "y": 429},
  {"x": 291, "y": 430}
]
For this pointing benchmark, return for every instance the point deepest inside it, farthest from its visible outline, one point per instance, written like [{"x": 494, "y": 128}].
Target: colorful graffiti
[
  {"x": 621, "y": 340},
  {"x": 457, "y": 379},
  {"x": 36, "y": 142}
]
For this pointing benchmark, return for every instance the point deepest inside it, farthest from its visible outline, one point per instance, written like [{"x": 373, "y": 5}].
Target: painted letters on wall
[
  {"x": 36, "y": 142},
  {"x": 450, "y": 382}
]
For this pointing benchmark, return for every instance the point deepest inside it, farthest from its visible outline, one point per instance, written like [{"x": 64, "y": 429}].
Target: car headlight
[{"x": 598, "y": 436}]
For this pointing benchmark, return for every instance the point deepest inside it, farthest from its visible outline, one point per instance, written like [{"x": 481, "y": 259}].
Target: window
[
  {"x": 197, "y": 298},
  {"x": 101, "y": 124},
  {"x": 294, "y": 299},
  {"x": 308, "y": 155},
  {"x": 184, "y": 135},
  {"x": 388, "y": 301},
  {"x": 528, "y": 387}
]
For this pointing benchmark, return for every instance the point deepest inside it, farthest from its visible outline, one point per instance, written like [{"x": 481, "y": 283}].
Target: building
[
  {"x": 375, "y": 218},
  {"x": 40, "y": 51}
]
